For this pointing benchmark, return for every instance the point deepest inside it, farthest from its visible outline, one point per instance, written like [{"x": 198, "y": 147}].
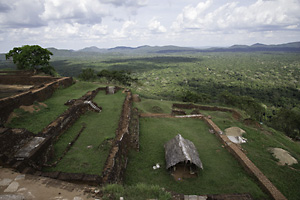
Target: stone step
[{"x": 194, "y": 197}]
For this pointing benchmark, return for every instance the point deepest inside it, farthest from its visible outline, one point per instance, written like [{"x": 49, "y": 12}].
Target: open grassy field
[
  {"x": 285, "y": 178},
  {"x": 36, "y": 121},
  {"x": 100, "y": 127},
  {"x": 89, "y": 152},
  {"x": 221, "y": 173}
]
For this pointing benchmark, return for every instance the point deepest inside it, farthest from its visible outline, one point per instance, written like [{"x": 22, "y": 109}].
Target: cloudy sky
[{"x": 75, "y": 24}]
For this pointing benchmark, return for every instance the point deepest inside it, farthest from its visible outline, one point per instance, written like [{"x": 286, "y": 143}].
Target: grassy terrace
[
  {"x": 285, "y": 178},
  {"x": 90, "y": 151},
  {"x": 221, "y": 174},
  {"x": 36, "y": 121},
  {"x": 99, "y": 128}
]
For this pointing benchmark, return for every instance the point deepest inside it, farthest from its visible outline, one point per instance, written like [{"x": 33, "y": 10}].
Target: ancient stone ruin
[{"x": 29, "y": 153}]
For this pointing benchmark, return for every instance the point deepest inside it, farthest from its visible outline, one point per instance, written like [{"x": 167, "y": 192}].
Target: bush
[
  {"x": 122, "y": 77},
  {"x": 48, "y": 70},
  {"x": 288, "y": 121},
  {"x": 250, "y": 105},
  {"x": 140, "y": 191},
  {"x": 189, "y": 96},
  {"x": 87, "y": 74}
]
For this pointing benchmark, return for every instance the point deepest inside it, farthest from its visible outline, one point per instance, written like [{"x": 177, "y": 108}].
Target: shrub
[
  {"x": 139, "y": 191},
  {"x": 87, "y": 74},
  {"x": 122, "y": 77}
]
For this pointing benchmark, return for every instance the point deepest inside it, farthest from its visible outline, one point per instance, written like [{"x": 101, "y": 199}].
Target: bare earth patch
[
  {"x": 234, "y": 131},
  {"x": 181, "y": 173},
  {"x": 234, "y": 134},
  {"x": 33, "y": 108},
  {"x": 283, "y": 156}
]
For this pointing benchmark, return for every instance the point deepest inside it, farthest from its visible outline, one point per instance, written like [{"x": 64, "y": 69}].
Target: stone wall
[
  {"x": 11, "y": 140},
  {"x": 208, "y": 108},
  {"x": 25, "y": 80},
  {"x": 64, "y": 121},
  {"x": 17, "y": 72},
  {"x": 250, "y": 167},
  {"x": 134, "y": 129},
  {"x": 116, "y": 162},
  {"x": 45, "y": 91},
  {"x": 31, "y": 155}
]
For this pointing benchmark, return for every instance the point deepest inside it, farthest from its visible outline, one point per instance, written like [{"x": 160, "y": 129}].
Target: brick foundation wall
[
  {"x": 24, "y": 79},
  {"x": 116, "y": 162},
  {"x": 8, "y": 104},
  {"x": 250, "y": 167},
  {"x": 208, "y": 108}
]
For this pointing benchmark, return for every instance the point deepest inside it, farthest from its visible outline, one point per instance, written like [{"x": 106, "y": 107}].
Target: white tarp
[{"x": 237, "y": 139}]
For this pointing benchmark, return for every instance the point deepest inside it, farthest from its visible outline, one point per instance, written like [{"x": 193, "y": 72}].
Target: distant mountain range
[{"x": 120, "y": 50}]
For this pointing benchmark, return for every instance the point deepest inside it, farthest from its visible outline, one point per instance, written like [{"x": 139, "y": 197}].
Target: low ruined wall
[
  {"x": 8, "y": 104},
  {"x": 134, "y": 129},
  {"x": 116, "y": 162},
  {"x": 91, "y": 94},
  {"x": 17, "y": 72},
  {"x": 57, "y": 127},
  {"x": 11, "y": 140},
  {"x": 51, "y": 133},
  {"x": 64, "y": 121},
  {"x": 25, "y": 79},
  {"x": 208, "y": 108},
  {"x": 35, "y": 158},
  {"x": 250, "y": 167},
  {"x": 78, "y": 178}
]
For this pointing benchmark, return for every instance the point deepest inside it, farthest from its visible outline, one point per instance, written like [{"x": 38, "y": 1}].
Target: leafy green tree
[
  {"x": 122, "y": 77},
  {"x": 288, "y": 121},
  {"x": 31, "y": 58},
  {"x": 189, "y": 96},
  {"x": 87, "y": 74},
  {"x": 255, "y": 109}
]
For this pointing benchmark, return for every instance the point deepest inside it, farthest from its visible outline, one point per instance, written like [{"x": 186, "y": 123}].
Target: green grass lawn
[
  {"x": 148, "y": 106},
  {"x": 36, "y": 121},
  {"x": 285, "y": 178},
  {"x": 221, "y": 173},
  {"x": 99, "y": 128}
]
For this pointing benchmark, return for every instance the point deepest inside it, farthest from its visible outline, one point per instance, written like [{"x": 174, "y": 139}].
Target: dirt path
[{"x": 15, "y": 186}]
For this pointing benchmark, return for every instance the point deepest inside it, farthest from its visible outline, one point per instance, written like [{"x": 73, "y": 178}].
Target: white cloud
[
  {"x": 75, "y": 11},
  {"x": 261, "y": 15},
  {"x": 19, "y": 14},
  {"x": 126, "y": 31},
  {"x": 156, "y": 27},
  {"x": 130, "y": 3},
  {"x": 107, "y": 23}
]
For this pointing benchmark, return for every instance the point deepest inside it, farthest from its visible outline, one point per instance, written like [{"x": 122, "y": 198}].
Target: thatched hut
[{"x": 182, "y": 156}]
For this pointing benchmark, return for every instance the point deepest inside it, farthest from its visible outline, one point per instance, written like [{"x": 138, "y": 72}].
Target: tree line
[{"x": 122, "y": 77}]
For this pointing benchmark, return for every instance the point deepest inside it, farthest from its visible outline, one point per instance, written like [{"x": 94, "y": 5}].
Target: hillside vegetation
[
  {"x": 264, "y": 84},
  {"x": 155, "y": 132},
  {"x": 221, "y": 174}
]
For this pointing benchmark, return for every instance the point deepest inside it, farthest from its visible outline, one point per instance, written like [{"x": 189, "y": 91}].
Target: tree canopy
[
  {"x": 31, "y": 58},
  {"x": 122, "y": 77}
]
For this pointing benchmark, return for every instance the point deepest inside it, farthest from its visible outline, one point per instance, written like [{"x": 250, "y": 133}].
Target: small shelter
[
  {"x": 182, "y": 156},
  {"x": 110, "y": 90}
]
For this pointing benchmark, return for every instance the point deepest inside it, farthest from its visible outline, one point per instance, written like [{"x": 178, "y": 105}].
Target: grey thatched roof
[{"x": 179, "y": 150}]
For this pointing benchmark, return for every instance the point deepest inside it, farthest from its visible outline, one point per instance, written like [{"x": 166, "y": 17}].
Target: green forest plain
[{"x": 265, "y": 86}]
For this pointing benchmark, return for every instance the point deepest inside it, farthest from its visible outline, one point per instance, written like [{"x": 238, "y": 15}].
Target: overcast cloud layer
[{"x": 75, "y": 24}]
